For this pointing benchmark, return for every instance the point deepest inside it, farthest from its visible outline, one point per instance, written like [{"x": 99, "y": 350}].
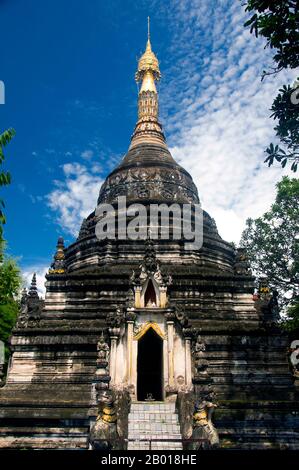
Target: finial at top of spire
[
  {"x": 148, "y": 28},
  {"x": 148, "y": 129},
  {"x": 148, "y": 62}
]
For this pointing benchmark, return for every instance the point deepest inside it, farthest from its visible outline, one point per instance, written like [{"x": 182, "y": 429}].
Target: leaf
[
  {"x": 253, "y": 18},
  {"x": 284, "y": 162}
]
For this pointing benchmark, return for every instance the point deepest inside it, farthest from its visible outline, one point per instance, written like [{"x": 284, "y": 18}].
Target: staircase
[{"x": 154, "y": 420}]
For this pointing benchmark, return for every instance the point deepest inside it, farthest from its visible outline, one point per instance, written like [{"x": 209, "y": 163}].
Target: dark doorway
[
  {"x": 150, "y": 366},
  {"x": 150, "y": 295}
]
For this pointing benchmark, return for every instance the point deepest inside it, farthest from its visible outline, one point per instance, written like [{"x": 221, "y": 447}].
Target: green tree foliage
[
  {"x": 285, "y": 109},
  {"x": 10, "y": 283},
  {"x": 10, "y": 278},
  {"x": 5, "y": 178},
  {"x": 277, "y": 21},
  {"x": 291, "y": 323},
  {"x": 8, "y": 316},
  {"x": 272, "y": 242}
]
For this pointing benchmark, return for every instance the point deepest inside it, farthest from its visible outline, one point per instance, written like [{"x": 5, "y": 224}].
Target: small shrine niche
[
  {"x": 150, "y": 285},
  {"x": 150, "y": 297}
]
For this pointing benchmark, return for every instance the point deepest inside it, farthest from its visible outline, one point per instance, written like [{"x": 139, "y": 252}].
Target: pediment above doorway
[{"x": 145, "y": 327}]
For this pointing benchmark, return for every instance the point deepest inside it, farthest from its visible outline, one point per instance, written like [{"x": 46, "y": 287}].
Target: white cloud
[
  {"x": 75, "y": 197},
  {"x": 87, "y": 154},
  {"x": 218, "y": 125}
]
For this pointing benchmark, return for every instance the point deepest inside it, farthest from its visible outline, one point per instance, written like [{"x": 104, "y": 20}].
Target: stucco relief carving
[
  {"x": 103, "y": 352},
  {"x": 200, "y": 362},
  {"x": 150, "y": 182},
  {"x": 181, "y": 316},
  {"x": 116, "y": 318},
  {"x": 242, "y": 265}
]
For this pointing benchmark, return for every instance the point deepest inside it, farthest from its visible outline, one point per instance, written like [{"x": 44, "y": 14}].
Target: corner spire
[
  {"x": 58, "y": 265},
  {"x": 148, "y": 129},
  {"x": 33, "y": 288}
]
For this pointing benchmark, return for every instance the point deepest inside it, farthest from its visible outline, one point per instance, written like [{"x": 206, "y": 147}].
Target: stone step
[
  {"x": 150, "y": 435},
  {"x": 154, "y": 407},
  {"x": 154, "y": 420},
  {"x": 146, "y": 432},
  {"x": 140, "y": 425},
  {"x": 155, "y": 427},
  {"x": 150, "y": 417},
  {"x": 160, "y": 445}
]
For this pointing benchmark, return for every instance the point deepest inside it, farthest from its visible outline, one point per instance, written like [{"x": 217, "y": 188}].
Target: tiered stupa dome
[{"x": 149, "y": 174}]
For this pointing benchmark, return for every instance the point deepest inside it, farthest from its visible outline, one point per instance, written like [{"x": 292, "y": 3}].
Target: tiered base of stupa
[{"x": 215, "y": 345}]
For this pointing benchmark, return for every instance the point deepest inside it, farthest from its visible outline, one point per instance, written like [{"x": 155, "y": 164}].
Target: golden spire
[
  {"x": 148, "y": 127},
  {"x": 148, "y": 62}
]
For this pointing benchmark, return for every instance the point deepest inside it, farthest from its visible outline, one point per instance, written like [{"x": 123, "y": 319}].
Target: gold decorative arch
[{"x": 146, "y": 327}]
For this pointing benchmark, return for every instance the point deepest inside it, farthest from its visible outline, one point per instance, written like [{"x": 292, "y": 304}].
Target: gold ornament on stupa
[
  {"x": 148, "y": 128},
  {"x": 148, "y": 62},
  {"x": 57, "y": 267}
]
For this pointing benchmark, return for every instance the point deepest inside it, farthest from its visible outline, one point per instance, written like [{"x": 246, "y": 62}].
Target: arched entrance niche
[{"x": 150, "y": 366}]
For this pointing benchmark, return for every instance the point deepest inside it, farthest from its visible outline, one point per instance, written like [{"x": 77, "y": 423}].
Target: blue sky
[{"x": 68, "y": 68}]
